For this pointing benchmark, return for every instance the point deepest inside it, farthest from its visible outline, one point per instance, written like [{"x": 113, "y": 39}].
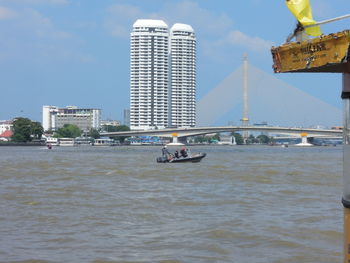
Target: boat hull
[{"x": 193, "y": 159}]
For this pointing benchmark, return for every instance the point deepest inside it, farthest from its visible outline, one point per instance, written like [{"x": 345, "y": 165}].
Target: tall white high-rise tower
[
  {"x": 149, "y": 74},
  {"x": 183, "y": 76}
]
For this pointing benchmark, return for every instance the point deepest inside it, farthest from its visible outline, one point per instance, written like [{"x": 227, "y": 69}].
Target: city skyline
[{"x": 61, "y": 52}]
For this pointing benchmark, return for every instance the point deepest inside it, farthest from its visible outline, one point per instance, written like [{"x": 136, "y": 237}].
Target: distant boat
[
  {"x": 135, "y": 143},
  {"x": 67, "y": 142},
  {"x": 227, "y": 140},
  {"x": 104, "y": 142},
  {"x": 304, "y": 144},
  {"x": 52, "y": 141},
  {"x": 175, "y": 144}
]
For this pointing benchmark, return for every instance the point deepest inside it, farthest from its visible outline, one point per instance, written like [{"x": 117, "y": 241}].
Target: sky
[{"x": 76, "y": 52}]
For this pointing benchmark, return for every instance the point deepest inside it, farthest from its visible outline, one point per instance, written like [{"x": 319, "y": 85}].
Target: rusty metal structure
[{"x": 327, "y": 53}]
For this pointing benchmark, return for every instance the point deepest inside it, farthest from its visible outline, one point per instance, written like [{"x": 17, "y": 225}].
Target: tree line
[
  {"x": 26, "y": 130},
  {"x": 260, "y": 139}
]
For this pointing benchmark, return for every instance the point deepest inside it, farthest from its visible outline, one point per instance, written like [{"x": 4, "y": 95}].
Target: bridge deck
[{"x": 185, "y": 132}]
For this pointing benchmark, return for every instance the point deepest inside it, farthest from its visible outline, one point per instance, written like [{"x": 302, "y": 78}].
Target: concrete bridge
[{"x": 187, "y": 132}]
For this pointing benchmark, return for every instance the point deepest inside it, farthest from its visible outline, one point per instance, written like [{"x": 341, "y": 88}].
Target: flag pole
[{"x": 329, "y": 21}]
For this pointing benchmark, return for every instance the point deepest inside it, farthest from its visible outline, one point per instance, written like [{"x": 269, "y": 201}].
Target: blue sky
[{"x": 76, "y": 52}]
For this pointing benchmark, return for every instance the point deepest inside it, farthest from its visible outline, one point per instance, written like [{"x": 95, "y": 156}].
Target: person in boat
[
  {"x": 183, "y": 152},
  {"x": 165, "y": 151},
  {"x": 176, "y": 154}
]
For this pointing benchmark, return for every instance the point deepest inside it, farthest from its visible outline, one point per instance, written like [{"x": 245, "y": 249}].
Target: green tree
[
  {"x": 24, "y": 130},
  {"x": 111, "y": 128},
  {"x": 200, "y": 139},
  {"x": 68, "y": 131},
  {"x": 251, "y": 139},
  {"x": 94, "y": 133},
  {"x": 263, "y": 139},
  {"x": 123, "y": 128},
  {"x": 37, "y": 130},
  {"x": 216, "y": 137},
  {"x": 238, "y": 138}
]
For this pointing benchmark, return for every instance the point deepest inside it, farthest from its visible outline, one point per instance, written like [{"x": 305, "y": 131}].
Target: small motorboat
[{"x": 194, "y": 158}]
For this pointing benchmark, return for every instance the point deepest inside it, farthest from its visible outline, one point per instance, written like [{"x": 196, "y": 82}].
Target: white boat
[
  {"x": 304, "y": 144},
  {"x": 66, "y": 142},
  {"x": 135, "y": 143},
  {"x": 175, "y": 144},
  {"x": 52, "y": 141},
  {"x": 104, "y": 142},
  {"x": 227, "y": 140}
]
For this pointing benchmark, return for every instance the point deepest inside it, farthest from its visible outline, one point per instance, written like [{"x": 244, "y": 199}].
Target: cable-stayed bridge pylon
[{"x": 270, "y": 99}]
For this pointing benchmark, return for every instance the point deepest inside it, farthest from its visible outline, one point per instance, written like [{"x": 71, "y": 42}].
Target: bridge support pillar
[
  {"x": 182, "y": 139},
  {"x": 175, "y": 139},
  {"x": 304, "y": 140},
  {"x": 346, "y": 164}
]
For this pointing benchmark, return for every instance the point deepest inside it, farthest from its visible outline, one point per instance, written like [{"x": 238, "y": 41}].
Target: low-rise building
[
  {"x": 85, "y": 118},
  {"x": 110, "y": 123},
  {"x": 5, "y": 126},
  {"x": 6, "y": 136}
]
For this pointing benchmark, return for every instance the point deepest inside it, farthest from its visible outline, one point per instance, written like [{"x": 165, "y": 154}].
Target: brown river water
[{"x": 245, "y": 204}]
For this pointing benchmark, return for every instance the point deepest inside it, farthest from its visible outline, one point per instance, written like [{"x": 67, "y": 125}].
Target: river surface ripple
[{"x": 245, "y": 204}]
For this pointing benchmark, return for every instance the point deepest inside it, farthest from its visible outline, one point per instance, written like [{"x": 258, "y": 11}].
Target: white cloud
[
  {"x": 122, "y": 16},
  {"x": 125, "y": 11},
  {"x": 56, "y": 2},
  {"x": 120, "y": 19},
  {"x": 203, "y": 20},
  {"x": 238, "y": 38},
  {"x": 33, "y": 35},
  {"x": 7, "y": 13},
  {"x": 36, "y": 2},
  {"x": 36, "y": 19},
  {"x": 214, "y": 30},
  {"x": 120, "y": 31}
]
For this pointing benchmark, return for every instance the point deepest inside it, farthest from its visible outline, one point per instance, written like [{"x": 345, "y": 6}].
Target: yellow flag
[{"x": 301, "y": 9}]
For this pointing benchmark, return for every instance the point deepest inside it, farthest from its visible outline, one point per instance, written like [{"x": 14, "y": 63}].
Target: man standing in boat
[{"x": 165, "y": 152}]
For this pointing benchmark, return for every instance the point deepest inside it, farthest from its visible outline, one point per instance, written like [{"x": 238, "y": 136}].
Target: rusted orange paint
[{"x": 327, "y": 53}]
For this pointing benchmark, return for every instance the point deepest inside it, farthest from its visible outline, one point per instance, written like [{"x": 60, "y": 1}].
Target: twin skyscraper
[{"x": 162, "y": 75}]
